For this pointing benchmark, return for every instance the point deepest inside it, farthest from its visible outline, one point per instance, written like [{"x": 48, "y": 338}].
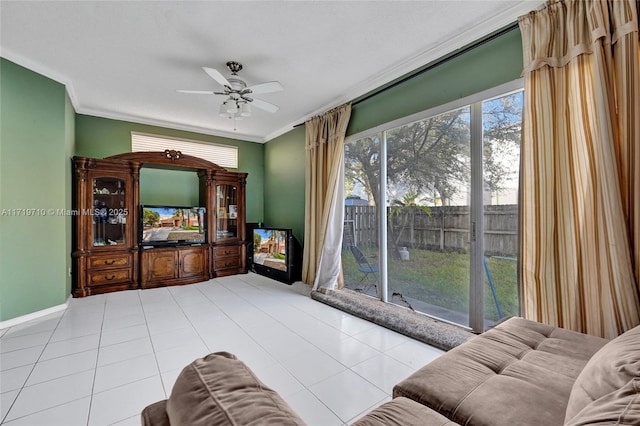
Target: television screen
[
  {"x": 270, "y": 248},
  {"x": 172, "y": 225}
]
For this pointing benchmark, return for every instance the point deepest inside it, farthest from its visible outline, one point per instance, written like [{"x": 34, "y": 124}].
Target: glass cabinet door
[
  {"x": 109, "y": 214},
  {"x": 227, "y": 211}
]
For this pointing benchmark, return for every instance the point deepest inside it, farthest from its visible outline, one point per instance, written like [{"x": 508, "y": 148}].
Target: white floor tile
[
  {"x": 173, "y": 338},
  {"x": 8, "y": 343},
  {"x": 6, "y": 400},
  {"x": 124, "y": 372},
  {"x": 39, "y": 325},
  {"x": 347, "y": 351},
  {"x": 20, "y": 357},
  {"x": 118, "y": 336},
  {"x": 169, "y": 379},
  {"x": 75, "y": 330},
  {"x": 42, "y": 396},
  {"x": 134, "y": 344},
  {"x": 312, "y": 410},
  {"x": 414, "y": 354},
  {"x": 125, "y": 350},
  {"x": 241, "y": 345},
  {"x": 381, "y": 338},
  {"x": 124, "y": 321},
  {"x": 278, "y": 378},
  {"x": 70, "y": 346},
  {"x": 346, "y": 323},
  {"x": 131, "y": 421},
  {"x": 74, "y": 413},
  {"x": 347, "y": 394},
  {"x": 383, "y": 371},
  {"x": 129, "y": 399},
  {"x": 180, "y": 356},
  {"x": 312, "y": 366},
  {"x": 14, "y": 378},
  {"x": 63, "y": 366}
]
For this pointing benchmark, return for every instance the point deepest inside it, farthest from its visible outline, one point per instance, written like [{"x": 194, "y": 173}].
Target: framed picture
[
  {"x": 222, "y": 213},
  {"x": 233, "y": 211}
]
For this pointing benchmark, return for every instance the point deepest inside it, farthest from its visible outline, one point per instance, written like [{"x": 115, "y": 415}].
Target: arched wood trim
[{"x": 167, "y": 157}]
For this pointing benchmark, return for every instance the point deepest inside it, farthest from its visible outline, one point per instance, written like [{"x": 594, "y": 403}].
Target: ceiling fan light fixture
[
  {"x": 232, "y": 108},
  {"x": 245, "y": 110},
  {"x": 223, "y": 110}
]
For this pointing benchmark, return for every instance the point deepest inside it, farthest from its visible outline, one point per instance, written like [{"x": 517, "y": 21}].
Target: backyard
[{"x": 438, "y": 278}]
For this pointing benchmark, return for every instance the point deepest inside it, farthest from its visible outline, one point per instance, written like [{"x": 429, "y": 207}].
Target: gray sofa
[{"x": 518, "y": 373}]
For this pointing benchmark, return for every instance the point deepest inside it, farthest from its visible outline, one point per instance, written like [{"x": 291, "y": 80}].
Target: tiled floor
[{"x": 106, "y": 357}]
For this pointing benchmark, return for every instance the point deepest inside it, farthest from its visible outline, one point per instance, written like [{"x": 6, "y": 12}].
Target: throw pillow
[
  {"x": 608, "y": 370},
  {"x": 620, "y": 407},
  {"x": 219, "y": 389}
]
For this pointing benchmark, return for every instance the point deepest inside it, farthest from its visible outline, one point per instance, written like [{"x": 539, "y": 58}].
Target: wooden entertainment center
[{"x": 108, "y": 253}]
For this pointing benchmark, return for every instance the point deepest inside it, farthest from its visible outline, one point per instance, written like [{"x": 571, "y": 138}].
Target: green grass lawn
[{"x": 442, "y": 279}]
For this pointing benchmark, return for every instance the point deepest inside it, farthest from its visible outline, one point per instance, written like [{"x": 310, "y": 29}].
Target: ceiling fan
[{"x": 239, "y": 95}]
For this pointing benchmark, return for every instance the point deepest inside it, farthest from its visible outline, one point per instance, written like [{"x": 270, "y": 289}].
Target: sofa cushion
[
  {"x": 620, "y": 407},
  {"x": 155, "y": 414},
  {"x": 403, "y": 412},
  {"x": 608, "y": 370},
  {"x": 219, "y": 389},
  {"x": 520, "y": 372}
]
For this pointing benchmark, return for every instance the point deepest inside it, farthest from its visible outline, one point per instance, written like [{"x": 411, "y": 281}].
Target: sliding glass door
[
  {"x": 431, "y": 212},
  {"x": 428, "y": 175}
]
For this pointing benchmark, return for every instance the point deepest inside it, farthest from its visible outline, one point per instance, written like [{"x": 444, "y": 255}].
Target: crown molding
[
  {"x": 169, "y": 125},
  {"x": 43, "y": 70}
]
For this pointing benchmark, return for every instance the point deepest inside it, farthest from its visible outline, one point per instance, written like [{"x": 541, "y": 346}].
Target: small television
[
  {"x": 172, "y": 225},
  {"x": 273, "y": 253}
]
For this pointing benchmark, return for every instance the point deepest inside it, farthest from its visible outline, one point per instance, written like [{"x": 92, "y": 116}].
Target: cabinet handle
[
  {"x": 109, "y": 278},
  {"x": 109, "y": 262}
]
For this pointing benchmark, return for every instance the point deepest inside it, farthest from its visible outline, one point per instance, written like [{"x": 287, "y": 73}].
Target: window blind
[{"x": 223, "y": 155}]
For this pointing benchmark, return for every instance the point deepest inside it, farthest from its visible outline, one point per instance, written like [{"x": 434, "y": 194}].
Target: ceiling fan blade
[
  {"x": 215, "y": 74},
  {"x": 197, "y": 92},
  {"x": 268, "y": 87},
  {"x": 264, "y": 105}
]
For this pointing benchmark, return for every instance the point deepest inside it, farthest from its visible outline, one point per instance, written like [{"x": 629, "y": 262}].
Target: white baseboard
[{"x": 34, "y": 315}]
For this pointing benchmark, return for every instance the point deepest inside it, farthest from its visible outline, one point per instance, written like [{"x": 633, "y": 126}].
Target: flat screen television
[
  {"x": 273, "y": 253},
  {"x": 172, "y": 225}
]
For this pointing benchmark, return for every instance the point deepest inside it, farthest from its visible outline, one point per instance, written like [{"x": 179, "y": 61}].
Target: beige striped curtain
[
  {"x": 580, "y": 173},
  {"x": 324, "y": 198}
]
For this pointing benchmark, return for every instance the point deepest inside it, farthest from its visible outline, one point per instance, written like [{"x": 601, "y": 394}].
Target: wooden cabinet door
[
  {"x": 192, "y": 262},
  {"x": 159, "y": 265}
]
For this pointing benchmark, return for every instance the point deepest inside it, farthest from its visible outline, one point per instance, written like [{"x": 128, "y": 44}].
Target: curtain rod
[{"x": 433, "y": 65}]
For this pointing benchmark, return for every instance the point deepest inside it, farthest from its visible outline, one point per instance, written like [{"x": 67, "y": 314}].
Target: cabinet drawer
[
  {"x": 222, "y": 251},
  {"x": 109, "y": 277},
  {"x": 109, "y": 261},
  {"x": 227, "y": 262}
]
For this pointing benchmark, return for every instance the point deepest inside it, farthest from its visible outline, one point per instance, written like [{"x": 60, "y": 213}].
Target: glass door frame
[{"x": 476, "y": 284}]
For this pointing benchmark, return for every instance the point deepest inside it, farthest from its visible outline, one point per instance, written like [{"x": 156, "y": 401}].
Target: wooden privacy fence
[{"x": 443, "y": 228}]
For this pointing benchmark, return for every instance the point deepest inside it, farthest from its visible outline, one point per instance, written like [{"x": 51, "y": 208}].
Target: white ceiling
[{"x": 125, "y": 59}]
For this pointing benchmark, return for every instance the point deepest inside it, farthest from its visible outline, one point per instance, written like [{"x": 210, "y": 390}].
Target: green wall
[
  {"x": 102, "y": 137},
  {"x": 284, "y": 182},
  {"x": 36, "y": 138},
  {"x": 496, "y": 62},
  {"x": 169, "y": 187}
]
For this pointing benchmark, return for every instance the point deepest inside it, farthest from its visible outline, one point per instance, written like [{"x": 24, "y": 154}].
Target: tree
[
  {"x": 502, "y": 119},
  {"x": 179, "y": 213},
  {"x": 362, "y": 166},
  {"x": 150, "y": 217},
  {"x": 197, "y": 212},
  {"x": 432, "y": 156},
  {"x": 402, "y": 215}
]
